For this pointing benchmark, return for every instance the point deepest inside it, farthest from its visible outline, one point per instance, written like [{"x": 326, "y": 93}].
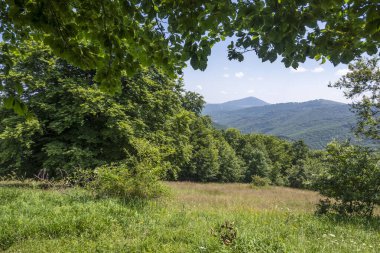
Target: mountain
[
  {"x": 234, "y": 105},
  {"x": 316, "y": 122}
]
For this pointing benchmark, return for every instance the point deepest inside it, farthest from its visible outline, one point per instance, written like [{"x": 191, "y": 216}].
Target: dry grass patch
[{"x": 242, "y": 196}]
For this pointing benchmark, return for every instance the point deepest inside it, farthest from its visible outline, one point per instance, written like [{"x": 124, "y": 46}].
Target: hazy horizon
[
  {"x": 225, "y": 80},
  {"x": 345, "y": 102}
]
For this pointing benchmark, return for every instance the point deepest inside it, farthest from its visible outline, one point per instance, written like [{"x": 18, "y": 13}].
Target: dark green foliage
[
  {"x": 351, "y": 178},
  {"x": 72, "y": 124},
  {"x": 212, "y": 158},
  {"x": 193, "y": 102},
  {"x": 302, "y": 165},
  {"x": 300, "y": 151},
  {"x": 204, "y": 162},
  {"x": 231, "y": 168},
  {"x": 235, "y": 138},
  {"x": 255, "y": 163},
  {"x": 276, "y": 177},
  {"x": 271, "y": 157},
  {"x": 16, "y": 141}
]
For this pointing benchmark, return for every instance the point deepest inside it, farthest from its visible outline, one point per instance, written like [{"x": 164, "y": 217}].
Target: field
[{"x": 188, "y": 219}]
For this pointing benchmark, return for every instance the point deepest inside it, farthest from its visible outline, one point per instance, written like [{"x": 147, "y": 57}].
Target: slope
[{"x": 317, "y": 122}]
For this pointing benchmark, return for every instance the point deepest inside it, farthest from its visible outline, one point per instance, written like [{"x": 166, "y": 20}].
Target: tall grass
[{"x": 272, "y": 219}]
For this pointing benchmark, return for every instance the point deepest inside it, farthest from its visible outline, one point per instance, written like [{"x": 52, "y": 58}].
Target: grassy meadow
[{"x": 188, "y": 219}]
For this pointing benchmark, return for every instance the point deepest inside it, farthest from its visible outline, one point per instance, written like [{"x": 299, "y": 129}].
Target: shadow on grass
[
  {"x": 365, "y": 223},
  {"x": 79, "y": 194},
  {"x": 32, "y": 184}
]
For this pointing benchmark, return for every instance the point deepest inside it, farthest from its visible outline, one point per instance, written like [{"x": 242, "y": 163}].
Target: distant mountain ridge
[
  {"x": 234, "y": 105},
  {"x": 317, "y": 122}
]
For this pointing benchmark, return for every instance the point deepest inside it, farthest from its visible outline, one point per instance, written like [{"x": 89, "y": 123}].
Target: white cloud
[
  {"x": 224, "y": 92},
  {"x": 318, "y": 70},
  {"x": 260, "y": 78},
  {"x": 225, "y": 68},
  {"x": 342, "y": 72},
  {"x": 239, "y": 74},
  {"x": 199, "y": 87},
  {"x": 226, "y": 75},
  {"x": 298, "y": 70},
  {"x": 251, "y": 91}
]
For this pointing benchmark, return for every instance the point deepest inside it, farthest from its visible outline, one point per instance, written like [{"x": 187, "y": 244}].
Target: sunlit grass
[
  {"x": 272, "y": 219},
  {"x": 241, "y": 196}
]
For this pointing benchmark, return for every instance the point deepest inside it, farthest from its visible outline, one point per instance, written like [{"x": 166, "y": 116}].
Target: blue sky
[{"x": 225, "y": 80}]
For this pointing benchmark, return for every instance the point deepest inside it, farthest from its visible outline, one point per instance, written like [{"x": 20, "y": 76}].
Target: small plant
[
  {"x": 226, "y": 233},
  {"x": 258, "y": 181}
]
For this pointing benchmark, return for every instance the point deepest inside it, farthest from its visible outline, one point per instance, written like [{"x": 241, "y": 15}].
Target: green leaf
[
  {"x": 9, "y": 102},
  {"x": 194, "y": 62}
]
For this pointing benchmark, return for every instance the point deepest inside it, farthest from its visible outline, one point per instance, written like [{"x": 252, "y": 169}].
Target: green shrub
[
  {"x": 137, "y": 177},
  {"x": 121, "y": 182},
  {"x": 351, "y": 178},
  {"x": 258, "y": 181}
]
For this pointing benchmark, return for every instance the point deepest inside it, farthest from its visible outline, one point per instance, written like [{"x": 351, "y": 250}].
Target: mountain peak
[{"x": 234, "y": 105}]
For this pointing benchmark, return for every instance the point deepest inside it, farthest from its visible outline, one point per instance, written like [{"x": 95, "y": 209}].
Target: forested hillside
[{"x": 316, "y": 122}]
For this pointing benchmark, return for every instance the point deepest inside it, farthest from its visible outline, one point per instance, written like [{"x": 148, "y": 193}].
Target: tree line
[{"x": 71, "y": 124}]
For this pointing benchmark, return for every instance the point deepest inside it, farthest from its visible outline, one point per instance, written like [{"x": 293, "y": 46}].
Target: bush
[
  {"x": 258, "y": 181},
  {"x": 137, "y": 177},
  {"x": 351, "y": 178},
  {"x": 121, "y": 182}
]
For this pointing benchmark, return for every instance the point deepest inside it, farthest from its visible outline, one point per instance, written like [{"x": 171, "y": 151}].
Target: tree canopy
[
  {"x": 120, "y": 36},
  {"x": 362, "y": 85}
]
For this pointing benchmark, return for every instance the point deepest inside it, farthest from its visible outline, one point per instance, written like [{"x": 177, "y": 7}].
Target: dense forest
[{"x": 72, "y": 125}]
